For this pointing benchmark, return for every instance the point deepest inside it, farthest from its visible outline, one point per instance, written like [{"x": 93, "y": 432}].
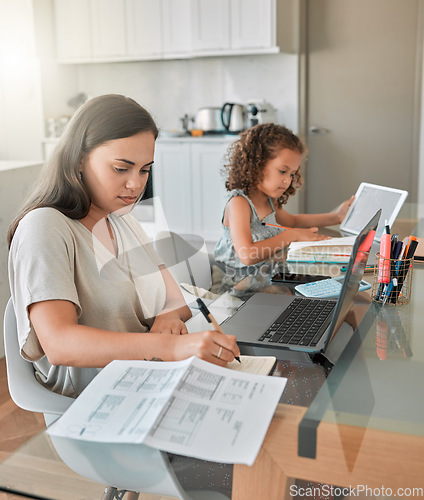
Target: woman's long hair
[{"x": 99, "y": 120}]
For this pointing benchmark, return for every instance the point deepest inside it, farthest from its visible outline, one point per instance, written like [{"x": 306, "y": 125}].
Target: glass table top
[{"x": 377, "y": 381}]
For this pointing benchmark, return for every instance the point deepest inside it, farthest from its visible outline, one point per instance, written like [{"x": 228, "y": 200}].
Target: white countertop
[
  {"x": 203, "y": 138},
  {"x": 210, "y": 138},
  {"x": 12, "y": 164}
]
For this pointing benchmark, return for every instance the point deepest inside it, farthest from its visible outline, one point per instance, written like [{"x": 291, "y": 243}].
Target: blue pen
[
  {"x": 394, "y": 268},
  {"x": 403, "y": 268},
  {"x": 396, "y": 271}
]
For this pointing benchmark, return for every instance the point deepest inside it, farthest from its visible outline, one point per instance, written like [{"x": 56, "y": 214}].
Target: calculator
[{"x": 327, "y": 288}]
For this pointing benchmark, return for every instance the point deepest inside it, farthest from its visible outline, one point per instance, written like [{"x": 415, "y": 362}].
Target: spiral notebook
[{"x": 259, "y": 365}]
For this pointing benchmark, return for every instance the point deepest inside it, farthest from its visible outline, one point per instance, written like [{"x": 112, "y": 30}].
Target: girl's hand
[
  {"x": 207, "y": 345},
  {"x": 341, "y": 211},
  {"x": 175, "y": 326},
  {"x": 308, "y": 234}
]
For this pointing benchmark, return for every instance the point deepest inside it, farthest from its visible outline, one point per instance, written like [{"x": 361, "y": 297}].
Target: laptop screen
[{"x": 354, "y": 273}]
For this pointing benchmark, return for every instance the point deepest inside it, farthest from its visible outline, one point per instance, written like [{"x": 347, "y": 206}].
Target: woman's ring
[{"x": 219, "y": 352}]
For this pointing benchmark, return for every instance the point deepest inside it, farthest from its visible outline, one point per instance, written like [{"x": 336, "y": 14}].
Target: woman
[{"x": 86, "y": 285}]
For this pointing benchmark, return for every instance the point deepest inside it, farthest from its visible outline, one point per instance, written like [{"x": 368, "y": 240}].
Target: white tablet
[{"x": 368, "y": 199}]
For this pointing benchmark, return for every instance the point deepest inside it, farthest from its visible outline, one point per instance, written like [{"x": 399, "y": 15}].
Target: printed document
[{"x": 189, "y": 407}]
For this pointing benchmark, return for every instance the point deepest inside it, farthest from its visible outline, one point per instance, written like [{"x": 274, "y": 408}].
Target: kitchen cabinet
[
  {"x": 89, "y": 31},
  {"x": 209, "y": 193},
  {"x": 144, "y": 28},
  {"x": 73, "y": 30},
  {"x": 108, "y": 24},
  {"x": 252, "y": 24},
  {"x": 176, "y": 28},
  {"x": 172, "y": 183},
  {"x": 229, "y": 26},
  {"x": 188, "y": 180},
  {"x": 211, "y": 25}
]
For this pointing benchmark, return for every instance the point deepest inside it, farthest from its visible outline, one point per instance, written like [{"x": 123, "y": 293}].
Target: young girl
[{"x": 264, "y": 170}]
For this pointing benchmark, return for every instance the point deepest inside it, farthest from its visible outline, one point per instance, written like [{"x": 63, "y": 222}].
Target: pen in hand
[{"x": 210, "y": 319}]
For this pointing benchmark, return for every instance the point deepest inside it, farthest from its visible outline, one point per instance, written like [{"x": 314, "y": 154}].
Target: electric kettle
[{"x": 234, "y": 117}]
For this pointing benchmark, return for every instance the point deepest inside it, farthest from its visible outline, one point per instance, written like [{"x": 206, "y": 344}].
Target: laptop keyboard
[{"x": 302, "y": 323}]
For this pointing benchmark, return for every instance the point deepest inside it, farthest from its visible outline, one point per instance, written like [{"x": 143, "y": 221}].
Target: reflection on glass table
[{"x": 361, "y": 363}]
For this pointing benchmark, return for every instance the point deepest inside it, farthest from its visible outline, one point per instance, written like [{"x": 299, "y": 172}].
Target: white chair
[
  {"x": 131, "y": 467},
  {"x": 186, "y": 258}
]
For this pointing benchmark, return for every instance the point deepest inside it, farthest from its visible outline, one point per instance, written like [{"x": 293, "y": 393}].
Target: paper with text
[{"x": 188, "y": 407}]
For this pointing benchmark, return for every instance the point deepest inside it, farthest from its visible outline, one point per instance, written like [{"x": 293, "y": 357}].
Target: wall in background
[
  {"x": 421, "y": 158},
  {"x": 169, "y": 89},
  {"x": 59, "y": 81},
  {"x": 21, "y": 114}
]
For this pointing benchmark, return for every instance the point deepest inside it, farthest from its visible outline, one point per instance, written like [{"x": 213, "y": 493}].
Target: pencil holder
[{"x": 399, "y": 273}]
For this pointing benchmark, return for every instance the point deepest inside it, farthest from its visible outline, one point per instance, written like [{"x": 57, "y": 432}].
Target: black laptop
[{"x": 300, "y": 324}]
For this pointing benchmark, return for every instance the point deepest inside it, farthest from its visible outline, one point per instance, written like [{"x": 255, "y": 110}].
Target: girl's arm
[
  {"x": 67, "y": 343},
  {"x": 176, "y": 311},
  {"x": 237, "y": 218},
  {"x": 318, "y": 220}
]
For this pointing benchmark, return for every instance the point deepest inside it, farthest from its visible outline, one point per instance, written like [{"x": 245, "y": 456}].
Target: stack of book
[{"x": 334, "y": 250}]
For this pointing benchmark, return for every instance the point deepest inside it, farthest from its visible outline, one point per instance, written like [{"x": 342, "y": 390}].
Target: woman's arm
[
  {"x": 67, "y": 343},
  {"x": 317, "y": 220},
  {"x": 237, "y": 216}
]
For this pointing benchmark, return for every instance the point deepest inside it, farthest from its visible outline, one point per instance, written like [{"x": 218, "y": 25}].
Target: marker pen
[
  {"x": 402, "y": 267},
  {"x": 384, "y": 261}
]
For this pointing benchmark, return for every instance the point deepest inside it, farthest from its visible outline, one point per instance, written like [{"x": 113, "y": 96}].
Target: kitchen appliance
[
  {"x": 234, "y": 117},
  {"x": 209, "y": 120},
  {"x": 260, "y": 111}
]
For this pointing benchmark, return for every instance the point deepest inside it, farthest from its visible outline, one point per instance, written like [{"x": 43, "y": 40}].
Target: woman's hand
[
  {"x": 165, "y": 324},
  {"x": 341, "y": 211},
  {"x": 211, "y": 346}
]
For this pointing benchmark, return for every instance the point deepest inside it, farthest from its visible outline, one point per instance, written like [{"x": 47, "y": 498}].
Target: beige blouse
[{"x": 54, "y": 257}]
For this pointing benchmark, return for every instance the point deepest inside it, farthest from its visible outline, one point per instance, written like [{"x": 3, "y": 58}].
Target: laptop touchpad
[{"x": 258, "y": 313}]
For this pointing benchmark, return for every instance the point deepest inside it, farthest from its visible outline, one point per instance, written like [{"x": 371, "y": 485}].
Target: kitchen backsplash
[{"x": 170, "y": 89}]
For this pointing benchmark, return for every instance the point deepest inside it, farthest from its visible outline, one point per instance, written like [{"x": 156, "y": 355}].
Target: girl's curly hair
[{"x": 248, "y": 156}]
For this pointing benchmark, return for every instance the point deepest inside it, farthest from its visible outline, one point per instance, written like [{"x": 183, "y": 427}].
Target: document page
[{"x": 189, "y": 407}]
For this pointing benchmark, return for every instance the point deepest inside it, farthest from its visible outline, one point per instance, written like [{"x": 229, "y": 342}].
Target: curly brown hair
[{"x": 248, "y": 156}]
